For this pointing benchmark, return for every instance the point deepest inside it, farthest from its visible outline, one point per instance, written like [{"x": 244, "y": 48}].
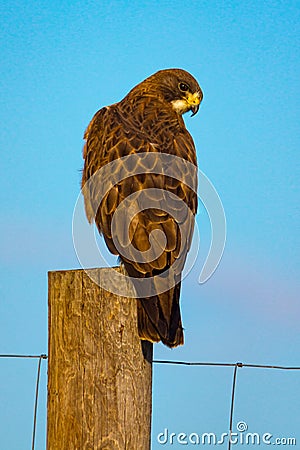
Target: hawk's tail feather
[
  {"x": 153, "y": 322},
  {"x": 146, "y": 329},
  {"x": 159, "y": 316}
]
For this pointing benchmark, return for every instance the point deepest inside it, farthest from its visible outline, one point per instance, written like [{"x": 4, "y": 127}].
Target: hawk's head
[{"x": 177, "y": 87}]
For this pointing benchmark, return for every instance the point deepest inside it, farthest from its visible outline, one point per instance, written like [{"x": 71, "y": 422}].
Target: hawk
[{"x": 148, "y": 121}]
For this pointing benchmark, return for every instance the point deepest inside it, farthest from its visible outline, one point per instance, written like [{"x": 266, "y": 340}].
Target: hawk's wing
[{"x": 121, "y": 130}]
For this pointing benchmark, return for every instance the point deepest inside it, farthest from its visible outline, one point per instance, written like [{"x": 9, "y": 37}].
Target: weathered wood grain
[{"x": 100, "y": 373}]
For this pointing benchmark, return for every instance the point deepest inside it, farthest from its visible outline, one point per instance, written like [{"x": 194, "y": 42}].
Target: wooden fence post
[{"x": 99, "y": 373}]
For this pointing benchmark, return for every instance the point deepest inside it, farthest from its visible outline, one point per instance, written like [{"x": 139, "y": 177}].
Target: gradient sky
[{"x": 61, "y": 61}]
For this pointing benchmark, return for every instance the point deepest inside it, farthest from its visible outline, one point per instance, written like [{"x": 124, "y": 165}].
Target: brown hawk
[{"x": 148, "y": 121}]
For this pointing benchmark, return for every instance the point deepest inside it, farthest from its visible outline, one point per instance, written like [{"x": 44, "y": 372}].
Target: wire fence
[
  {"x": 236, "y": 366},
  {"x": 37, "y": 386}
]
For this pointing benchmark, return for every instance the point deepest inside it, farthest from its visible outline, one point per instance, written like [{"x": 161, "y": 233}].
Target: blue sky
[{"x": 62, "y": 61}]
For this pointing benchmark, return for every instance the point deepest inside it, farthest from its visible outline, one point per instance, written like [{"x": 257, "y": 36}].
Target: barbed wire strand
[
  {"x": 219, "y": 364},
  {"x": 43, "y": 356}
]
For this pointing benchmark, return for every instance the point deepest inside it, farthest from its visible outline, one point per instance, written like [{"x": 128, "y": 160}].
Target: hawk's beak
[
  {"x": 195, "y": 109},
  {"x": 194, "y": 102}
]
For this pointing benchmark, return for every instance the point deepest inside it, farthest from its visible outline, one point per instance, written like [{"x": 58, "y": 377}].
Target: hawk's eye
[{"x": 183, "y": 87}]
